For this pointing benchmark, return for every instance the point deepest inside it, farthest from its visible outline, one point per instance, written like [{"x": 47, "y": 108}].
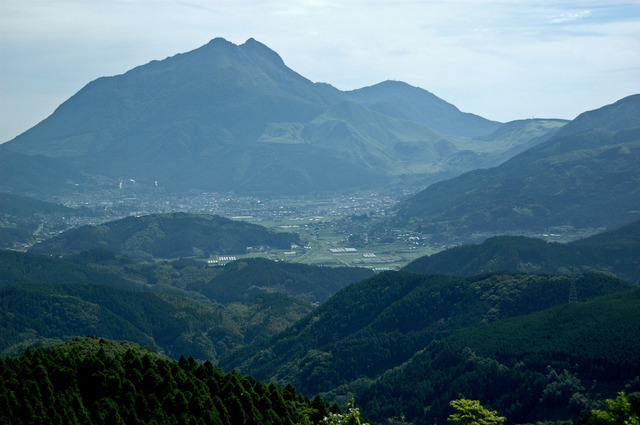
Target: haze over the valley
[{"x": 502, "y": 60}]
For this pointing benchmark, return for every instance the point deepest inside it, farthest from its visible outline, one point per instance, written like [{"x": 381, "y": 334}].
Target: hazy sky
[{"x": 502, "y": 59}]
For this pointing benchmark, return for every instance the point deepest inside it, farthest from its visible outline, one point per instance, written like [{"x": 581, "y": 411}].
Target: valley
[
  {"x": 324, "y": 223},
  {"x": 341, "y": 229},
  {"x": 222, "y": 228}
]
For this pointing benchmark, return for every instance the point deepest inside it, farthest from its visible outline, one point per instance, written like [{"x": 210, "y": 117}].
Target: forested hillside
[
  {"x": 616, "y": 252},
  {"x": 24, "y": 267},
  {"x": 585, "y": 177},
  {"x": 39, "y": 314},
  {"x": 244, "y": 279},
  {"x": 171, "y": 235},
  {"x": 370, "y": 327},
  {"x": 95, "y": 381},
  {"x": 547, "y": 365},
  {"x": 69, "y": 298},
  {"x": 238, "y": 281},
  {"x": 363, "y": 342}
]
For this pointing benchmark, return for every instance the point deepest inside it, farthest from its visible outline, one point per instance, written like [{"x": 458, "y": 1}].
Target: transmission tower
[{"x": 573, "y": 293}]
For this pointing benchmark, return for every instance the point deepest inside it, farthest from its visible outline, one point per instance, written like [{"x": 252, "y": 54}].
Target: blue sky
[{"x": 502, "y": 59}]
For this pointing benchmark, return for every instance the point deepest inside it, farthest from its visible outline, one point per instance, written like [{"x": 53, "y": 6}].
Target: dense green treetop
[
  {"x": 471, "y": 412},
  {"x": 96, "y": 381}
]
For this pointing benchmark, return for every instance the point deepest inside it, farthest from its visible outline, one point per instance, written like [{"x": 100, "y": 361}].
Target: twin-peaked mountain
[{"x": 227, "y": 117}]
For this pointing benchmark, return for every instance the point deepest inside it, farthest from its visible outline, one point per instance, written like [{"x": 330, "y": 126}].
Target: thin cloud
[{"x": 569, "y": 17}]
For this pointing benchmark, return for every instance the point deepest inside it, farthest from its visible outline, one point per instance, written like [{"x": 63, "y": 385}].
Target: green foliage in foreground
[
  {"x": 352, "y": 417},
  {"x": 91, "y": 381},
  {"x": 623, "y": 410},
  {"x": 471, "y": 412}
]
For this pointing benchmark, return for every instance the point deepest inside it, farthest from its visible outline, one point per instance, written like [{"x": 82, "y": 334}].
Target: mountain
[
  {"x": 170, "y": 235},
  {"x": 97, "y": 381},
  {"x": 621, "y": 115},
  {"x": 245, "y": 279},
  {"x": 24, "y": 267},
  {"x": 545, "y": 366},
  {"x": 400, "y": 100},
  {"x": 45, "y": 313},
  {"x": 576, "y": 180},
  {"x": 517, "y": 136},
  {"x": 370, "y": 327},
  {"x": 38, "y": 175},
  {"x": 227, "y": 118},
  {"x": 615, "y": 251},
  {"x": 47, "y": 299}
]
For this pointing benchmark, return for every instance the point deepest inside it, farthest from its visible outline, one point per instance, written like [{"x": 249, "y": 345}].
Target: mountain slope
[
  {"x": 544, "y": 366},
  {"x": 219, "y": 82},
  {"x": 41, "y": 313},
  {"x": 616, "y": 252},
  {"x": 372, "y": 326},
  {"x": 245, "y": 279},
  {"x": 621, "y": 115},
  {"x": 26, "y": 220},
  {"x": 235, "y": 118},
  {"x": 24, "y": 267},
  {"x": 381, "y": 143},
  {"x": 37, "y": 175},
  {"x": 582, "y": 180},
  {"x": 97, "y": 381},
  {"x": 172, "y": 121},
  {"x": 400, "y": 100},
  {"x": 517, "y": 136},
  {"x": 47, "y": 299},
  {"x": 170, "y": 235}
]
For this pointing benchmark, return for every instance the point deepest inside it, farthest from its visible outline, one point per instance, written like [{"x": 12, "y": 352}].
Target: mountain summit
[{"x": 228, "y": 117}]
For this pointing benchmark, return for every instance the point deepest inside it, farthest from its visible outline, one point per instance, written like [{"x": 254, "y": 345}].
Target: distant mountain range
[
  {"x": 235, "y": 118},
  {"x": 616, "y": 252},
  {"x": 586, "y": 176}
]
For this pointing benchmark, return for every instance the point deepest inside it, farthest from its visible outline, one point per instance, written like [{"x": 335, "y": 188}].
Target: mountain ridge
[
  {"x": 199, "y": 120},
  {"x": 584, "y": 179},
  {"x": 168, "y": 235},
  {"x": 613, "y": 252},
  {"x": 433, "y": 112}
]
